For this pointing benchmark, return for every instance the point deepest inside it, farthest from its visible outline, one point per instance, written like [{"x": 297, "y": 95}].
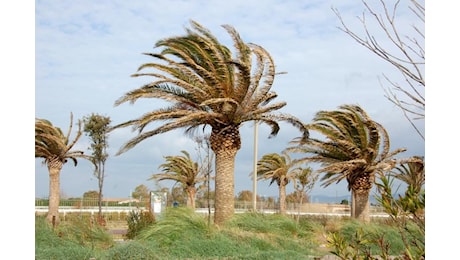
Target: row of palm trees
[
  {"x": 209, "y": 86},
  {"x": 355, "y": 149}
]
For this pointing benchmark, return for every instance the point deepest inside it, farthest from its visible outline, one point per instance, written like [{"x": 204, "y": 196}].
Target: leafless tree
[{"x": 405, "y": 52}]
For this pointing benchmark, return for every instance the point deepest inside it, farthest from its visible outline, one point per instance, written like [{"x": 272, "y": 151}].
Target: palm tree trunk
[
  {"x": 360, "y": 205},
  {"x": 191, "y": 193},
  {"x": 282, "y": 195},
  {"x": 54, "y": 170},
  {"x": 225, "y": 197},
  {"x": 225, "y": 143}
]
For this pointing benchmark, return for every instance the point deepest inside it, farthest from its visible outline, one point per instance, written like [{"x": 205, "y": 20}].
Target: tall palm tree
[
  {"x": 183, "y": 170},
  {"x": 277, "y": 168},
  {"x": 355, "y": 148},
  {"x": 208, "y": 85},
  {"x": 55, "y": 148}
]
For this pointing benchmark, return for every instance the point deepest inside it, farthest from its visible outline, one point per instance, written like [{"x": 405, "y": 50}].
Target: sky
[
  {"x": 50, "y": 67},
  {"x": 85, "y": 52}
]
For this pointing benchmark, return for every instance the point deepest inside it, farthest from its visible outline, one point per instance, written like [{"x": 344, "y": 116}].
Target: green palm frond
[
  {"x": 352, "y": 145},
  {"x": 412, "y": 173},
  {"x": 207, "y": 84},
  {"x": 181, "y": 169},
  {"x": 276, "y": 168}
]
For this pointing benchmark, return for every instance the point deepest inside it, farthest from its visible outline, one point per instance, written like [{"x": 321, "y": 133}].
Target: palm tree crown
[
  {"x": 208, "y": 85},
  {"x": 355, "y": 148},
  {"x": 411, "y": 172},
  {"x": 183, "y": 170},
  {"x": 52, "y": 145}
]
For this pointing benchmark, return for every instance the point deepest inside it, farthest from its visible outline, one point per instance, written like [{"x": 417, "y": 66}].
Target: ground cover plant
[
  {"x": 180, "y": 233},
  {"x": 73, "y": 239}
]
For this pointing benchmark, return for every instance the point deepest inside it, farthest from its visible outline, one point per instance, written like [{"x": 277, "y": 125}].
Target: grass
[{"x": 182, "y": 234}]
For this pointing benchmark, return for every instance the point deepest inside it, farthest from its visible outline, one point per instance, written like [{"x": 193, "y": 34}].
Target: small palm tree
[
  {"x": 355, "y": 148},
  {"x": 208, "y": 85},
  {"x": 55, "y": 148},
  {"x": 277, "y": 168},
  {"x": 183, "y": 170}
]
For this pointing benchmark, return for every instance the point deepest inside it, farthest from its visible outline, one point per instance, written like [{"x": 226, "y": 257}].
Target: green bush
[
  {"x": 174, "y": 224},
  {"x": 85, "y": 231},
  {"x": 137, "y": 221}
]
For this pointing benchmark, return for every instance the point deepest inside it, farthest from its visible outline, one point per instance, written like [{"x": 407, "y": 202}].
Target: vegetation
[
  {"x": 179, "y": 233},
  {"x": 355, "y": 148},
  {"x": 407, "y": 221},
  {"x": 209, "y": 85},
  {"x": 76, "y": 238},
  {"x": 97, "y": 128},
  {"x": 406, "y": 53},
  {"x": 278, "y": 168},
  {"x": 304, "y": 181},
  {"x": 138, "y": 221},
  {"x": 141, "y": 192},
  {"x": 184, "y": 171},
  {"x": 56, "y": 149}
]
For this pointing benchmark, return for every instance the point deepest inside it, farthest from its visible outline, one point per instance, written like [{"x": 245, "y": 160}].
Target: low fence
[{"x": 118, "y": 209}]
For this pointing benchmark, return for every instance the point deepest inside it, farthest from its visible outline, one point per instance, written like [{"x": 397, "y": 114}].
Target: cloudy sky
[{"x": 85, "y": 52}]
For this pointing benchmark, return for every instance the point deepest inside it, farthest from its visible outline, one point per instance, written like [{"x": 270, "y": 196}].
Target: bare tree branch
[{"x": 406, "y": 54}]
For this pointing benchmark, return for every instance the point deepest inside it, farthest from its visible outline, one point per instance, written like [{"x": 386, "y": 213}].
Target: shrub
[
  {"x": 85, "y": 231},
  {"x": 137, "y": 221},
  {"x": 174, "y": 224}
]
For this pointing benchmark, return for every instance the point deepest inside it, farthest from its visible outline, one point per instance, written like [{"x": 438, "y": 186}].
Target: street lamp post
[{"x": 254, "y": 187}]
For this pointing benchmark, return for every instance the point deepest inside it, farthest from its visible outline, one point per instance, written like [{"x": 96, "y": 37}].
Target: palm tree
[
  {"x": 208, "y": 85},
  {"x": 412, "y": 173},
  {"x": 183, "y": 170},
  {"x": 355, "y": 148},
  {"x": 277, "y": 168},
  {"x": 55, "y": 148}
]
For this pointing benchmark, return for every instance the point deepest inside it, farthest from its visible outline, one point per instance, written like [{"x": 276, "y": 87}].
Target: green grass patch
[
  {"x": 50, "y": 245},
  {"x": 180, "y": 233}
]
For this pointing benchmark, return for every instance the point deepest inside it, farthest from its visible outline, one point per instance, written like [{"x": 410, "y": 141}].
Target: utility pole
[{"x": 254, "y": 187}]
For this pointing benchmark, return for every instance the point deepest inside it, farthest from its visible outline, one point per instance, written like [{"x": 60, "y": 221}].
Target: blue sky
[{"x": 85, "y": 52}]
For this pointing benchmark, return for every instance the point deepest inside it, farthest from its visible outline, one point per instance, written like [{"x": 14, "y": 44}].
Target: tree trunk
[
  {"x": 54, "y": 169},
  {"x": 225, "y": 142},
  {"x": 360, "y": 205},
  {"x": 191, "y": 192},
  {"x": 282, "y": 195},
  {"x": 360, "y": 190},
  {"x": 225, "y": 197},
  {"x": 100, "y": 178}
]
